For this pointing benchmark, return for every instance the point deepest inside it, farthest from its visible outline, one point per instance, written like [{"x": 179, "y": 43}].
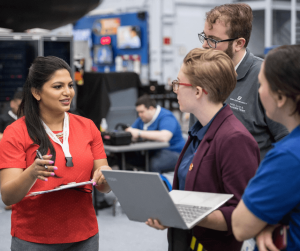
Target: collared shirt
[
  {"x": 5, "y": 120},
  {"x": 165, "y": 121},
  {"x": 197, "y": 133},
  {"x": 146, "y": 125},
  {"x": 237, "y": 66}
]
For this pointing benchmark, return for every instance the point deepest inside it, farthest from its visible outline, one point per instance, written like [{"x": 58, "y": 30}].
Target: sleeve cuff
[
  {"x": 21, "y": 164},
  {"x": 227, "y": 212}
]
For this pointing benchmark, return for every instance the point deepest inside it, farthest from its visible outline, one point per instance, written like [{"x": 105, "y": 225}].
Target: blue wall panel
[{"x": 125, "y": 19}]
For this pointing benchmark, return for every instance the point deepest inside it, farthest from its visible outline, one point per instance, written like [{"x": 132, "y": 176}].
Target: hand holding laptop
[
  {"x": 99, "y": 179},
  {"x": 144, "y": 198},
  {"x": 155, "y": 224}
]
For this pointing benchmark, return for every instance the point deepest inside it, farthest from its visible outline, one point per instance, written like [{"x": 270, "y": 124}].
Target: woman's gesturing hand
[
  {"x": 42, "y": 169},
  {"x": 98, "y": 177}
]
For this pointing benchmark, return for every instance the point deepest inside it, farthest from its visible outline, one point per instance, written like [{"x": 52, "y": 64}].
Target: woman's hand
[
  {"x": 99, "y": 179},
  {"x": 155, "y": 224},
  {"x": 264, "y": 240},
  {"x": 39, "y": 171},
  {"x": 16, "y": 182}
]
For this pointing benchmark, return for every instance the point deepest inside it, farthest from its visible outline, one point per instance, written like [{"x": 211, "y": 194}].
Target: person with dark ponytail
[
  {"x": 72, "y": 151},
  {"x": 272, "y": 196}
]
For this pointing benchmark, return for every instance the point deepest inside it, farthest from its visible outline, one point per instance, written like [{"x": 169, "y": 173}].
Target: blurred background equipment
[
  {"x": 20, "y": 15},
  {"x": 17, "y": 52}
]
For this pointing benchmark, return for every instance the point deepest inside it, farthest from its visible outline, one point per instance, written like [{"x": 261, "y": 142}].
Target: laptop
[{"x": 143, "y": 195}]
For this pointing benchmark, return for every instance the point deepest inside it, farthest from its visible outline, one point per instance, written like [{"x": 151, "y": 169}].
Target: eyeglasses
[
  {"x": 176, "y": 84},
  {"x": 211, "y": 42}
]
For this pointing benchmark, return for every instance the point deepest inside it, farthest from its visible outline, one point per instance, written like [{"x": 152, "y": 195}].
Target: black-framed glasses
[{"x": 211, "y": 42}]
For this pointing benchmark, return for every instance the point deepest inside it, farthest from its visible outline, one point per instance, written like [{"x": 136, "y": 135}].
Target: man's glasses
[
  {"x": 176, "y": 84},
  {"x": 211, "y": 42}
]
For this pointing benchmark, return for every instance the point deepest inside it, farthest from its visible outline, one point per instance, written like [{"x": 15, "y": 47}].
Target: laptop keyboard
[{"x": 190, "y": 213}]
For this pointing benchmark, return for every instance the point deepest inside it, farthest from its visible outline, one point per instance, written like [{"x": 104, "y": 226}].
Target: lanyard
[{"x": 65, "y": 145}]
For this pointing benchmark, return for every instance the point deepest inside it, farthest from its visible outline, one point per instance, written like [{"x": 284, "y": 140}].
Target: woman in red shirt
[{"x": 72, "y": 150}]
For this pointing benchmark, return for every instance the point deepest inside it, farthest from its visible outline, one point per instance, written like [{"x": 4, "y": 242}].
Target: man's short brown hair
[
  {"x": 213, "y": 70},
  {"x": 239, "y": 17},
  {"x": 146, "y": 100}
]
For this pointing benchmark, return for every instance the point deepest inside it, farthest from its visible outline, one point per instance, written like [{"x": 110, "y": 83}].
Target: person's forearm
[
  {"x": 154, "y": 135},
  {"x": 245, "y": 224},
  {"x": 215, "y": 221},
  {"x": 15, "y": 190}
]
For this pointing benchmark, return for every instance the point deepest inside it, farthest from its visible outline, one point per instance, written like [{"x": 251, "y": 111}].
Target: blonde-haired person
[
  {"x": 220, "y": 155},
  {"x": 272, "y": 196}
]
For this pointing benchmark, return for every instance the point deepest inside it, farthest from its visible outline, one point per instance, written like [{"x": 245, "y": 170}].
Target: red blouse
[{"x": 64, "y": 216}]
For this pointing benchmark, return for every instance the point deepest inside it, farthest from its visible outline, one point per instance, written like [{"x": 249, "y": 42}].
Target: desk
[{"x": 137, "y": 146}]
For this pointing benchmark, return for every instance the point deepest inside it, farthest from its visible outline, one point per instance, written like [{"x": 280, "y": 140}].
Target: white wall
[
  {"x": 182, "y": 20},
  {"x": 114, "y": 6},
  {"x": 188, "y": 21},
  {"x": 257, "y": 39},
  {"x": 63, "y": 30}
]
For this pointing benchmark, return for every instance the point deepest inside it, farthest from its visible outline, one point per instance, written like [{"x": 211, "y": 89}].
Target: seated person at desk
[
  {"x": 220, "y": 156},
  {"x": 158, "y": 124},
  {"x": 11, "y": 116}
]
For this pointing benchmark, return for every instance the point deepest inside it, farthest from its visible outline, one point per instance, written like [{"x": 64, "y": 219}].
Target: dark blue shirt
[
  {"x": 196, "y": 133},
  {"x": 273, "y": 192},
  {"x": 165, "y": 121}
]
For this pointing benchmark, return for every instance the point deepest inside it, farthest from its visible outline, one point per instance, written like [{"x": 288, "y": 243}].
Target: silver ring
[{"x": 45, "y": 167}]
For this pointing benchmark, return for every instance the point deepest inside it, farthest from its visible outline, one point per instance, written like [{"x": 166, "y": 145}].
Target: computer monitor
[{"x": 103, "y": 55}]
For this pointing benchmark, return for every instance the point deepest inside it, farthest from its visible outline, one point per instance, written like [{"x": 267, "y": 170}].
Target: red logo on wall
[
  {"x": 105, "y": 40},
  {"x": 167, "y": 40}
]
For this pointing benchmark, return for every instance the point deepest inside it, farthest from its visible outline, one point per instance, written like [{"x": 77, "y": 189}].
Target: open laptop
[{"x": 143, "y": 195}]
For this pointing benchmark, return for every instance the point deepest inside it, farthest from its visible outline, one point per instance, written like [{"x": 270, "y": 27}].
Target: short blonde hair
[{"x": 213, "y": 70}]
